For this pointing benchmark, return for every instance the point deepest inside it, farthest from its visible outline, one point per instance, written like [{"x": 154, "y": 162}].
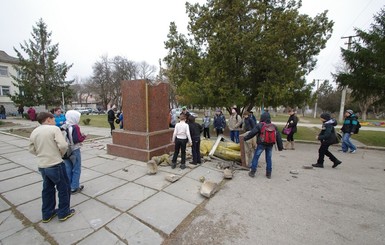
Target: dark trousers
[
  {"x": 324, "y": 150},
  {"x": 180, "y": 144},
  {"x": 290, "y": 137},
  {"x": 206, "y": 132},
  {"x": 112, "y": 125},
  {"x": 195, "y": 149}
]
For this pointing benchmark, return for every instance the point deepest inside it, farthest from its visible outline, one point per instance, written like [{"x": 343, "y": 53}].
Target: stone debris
[
  {"x": 294, "y": 171},
  {"x": 227, "y": 174},
  {"x": 202, "y": 179},
  {"x": 152, "y": 167},
  {"x": 173, "y": 177},
  {"x": 163, "y": 160},
  {"x": 307, "y": 166},
  {"x": 208, "y": 188}
]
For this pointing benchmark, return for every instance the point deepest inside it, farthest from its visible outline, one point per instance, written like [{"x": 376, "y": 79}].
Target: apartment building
[{"x": 6, "y": 87}]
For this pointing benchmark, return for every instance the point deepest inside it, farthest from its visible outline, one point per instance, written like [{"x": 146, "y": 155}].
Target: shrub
[{"x": 87, "y": 121}]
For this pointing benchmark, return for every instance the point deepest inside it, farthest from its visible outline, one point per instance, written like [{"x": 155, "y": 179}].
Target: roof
[{"x": 4, "y": 57}]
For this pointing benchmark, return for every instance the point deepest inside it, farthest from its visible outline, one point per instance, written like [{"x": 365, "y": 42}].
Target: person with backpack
[
  {"x": 206, "y": 125},
  {"x": 267, "y": 135},
  {"x": 350, "y": 126},
  {"x": 75, "y": 138},
  {"x": 327, "y": 137},
  {"x": 235, "y": 125}
]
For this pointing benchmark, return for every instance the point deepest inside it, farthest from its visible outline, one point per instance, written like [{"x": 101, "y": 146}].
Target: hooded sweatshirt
[
  {"x": 265, "y": 118},
  {"x": 74, "y": 134},
  {"x": 327, "y": 134}
]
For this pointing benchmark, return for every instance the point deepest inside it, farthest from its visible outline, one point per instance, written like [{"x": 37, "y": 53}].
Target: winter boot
[
  {"x": 286, "y": 145},
  {"x": 336, "y": 163},
  {"x": 173, "y": 165},
  {"x": 268, "y": 175},
  {"x": 252, "y": 173},
  {"x": 318, "y": 165}
]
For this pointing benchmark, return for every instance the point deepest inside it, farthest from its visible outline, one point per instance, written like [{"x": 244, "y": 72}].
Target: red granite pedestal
[{"x": 146, "y": 131}]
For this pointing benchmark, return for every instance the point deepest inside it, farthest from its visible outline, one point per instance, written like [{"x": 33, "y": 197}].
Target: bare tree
[{"x": 146, "y": 71}]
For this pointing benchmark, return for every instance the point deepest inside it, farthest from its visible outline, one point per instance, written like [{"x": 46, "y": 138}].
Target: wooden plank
[{"x": 215, "y": 145}]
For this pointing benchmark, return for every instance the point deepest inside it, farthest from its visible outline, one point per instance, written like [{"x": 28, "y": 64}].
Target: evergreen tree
[
  {"x": 245, "y": 52},
  {"x": 40, "y": 79},
  {"x": 365, "y": 59}
]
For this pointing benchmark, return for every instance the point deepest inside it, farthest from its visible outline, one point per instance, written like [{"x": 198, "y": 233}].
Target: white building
[{"x": 6, "y": 86}]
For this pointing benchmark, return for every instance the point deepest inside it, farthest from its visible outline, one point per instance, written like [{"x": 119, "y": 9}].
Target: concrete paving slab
[
  {"x": 10, "y": 149},
  {"x": 157, "y": 181},
  {"x": 86, "y": 156},
  {"x": 85, "y": 221},
  {"x": 32, "y": 210},
  {"x": 98, "y": 186},
  {"x": 25, "y": 236},
  {"x": 23, "y": 194},
  {"x": 186, "y": 189},
  {"x": 11, "y": 173},
  {"x": 209, "y": 174},
  {"x": 20, "y": 142},
  {"x": 9, "y": 225},
  {"x": 163, "y": 211},
  {"x": 130, "y": 173},
  {"x": 19, "y": 181},
  {"x": 92, "y": 162},
  {"x": 4, "y": 161},
  {"x": 110, "y": 166},
  {"x": 3, "y": 205},
  {"x": 101, "y": 236},
  {"x": 8, "y": 165},
  {"x": 88, "y": 174},
  {"x": 133, "y": 231},
  {"x": 23, "y": 158},
  {"x": 126, "y": 196}
]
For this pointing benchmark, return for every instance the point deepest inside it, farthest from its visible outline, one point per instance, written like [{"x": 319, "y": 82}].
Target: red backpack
[{"x": 267, "y": 135}]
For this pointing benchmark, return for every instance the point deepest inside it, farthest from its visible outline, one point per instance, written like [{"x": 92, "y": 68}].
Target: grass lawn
[{"x": 96, "y": 121}]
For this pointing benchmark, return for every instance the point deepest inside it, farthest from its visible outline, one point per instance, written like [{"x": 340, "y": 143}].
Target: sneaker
[
  {"x": 173, "y": 165},
  {"x": 50, "y": 218},
  {"x": 77, "y": 190},
  {"x": 318, "y": 165},
  {"x": 336, "y": 163},
  {"x": 342, "y": 151},
  {"x": 353, "y": 151},
  {"x": 193, "y": 163},
  {"x": 183, "y": 166},
  {"x": 252, "y": 173},
  {"x": 69, "y": 215}
]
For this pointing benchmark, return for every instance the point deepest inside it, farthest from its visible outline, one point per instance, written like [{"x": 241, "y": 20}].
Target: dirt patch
[{"x": 4, "y": 124}]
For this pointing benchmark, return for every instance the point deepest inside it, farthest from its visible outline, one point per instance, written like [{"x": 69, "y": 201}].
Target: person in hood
[
  {"x": 327, "y": 137},
  {"x": 262, "y": 146},
  {"x": 74, "y": 161},
  {"x": 349, "y": 127}
]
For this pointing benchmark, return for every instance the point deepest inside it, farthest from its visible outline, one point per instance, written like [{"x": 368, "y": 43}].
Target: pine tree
[{"x": 40, "y": 79}]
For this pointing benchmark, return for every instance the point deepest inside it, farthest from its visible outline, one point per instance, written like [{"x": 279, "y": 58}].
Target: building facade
[{"x": 6, "y": 86}]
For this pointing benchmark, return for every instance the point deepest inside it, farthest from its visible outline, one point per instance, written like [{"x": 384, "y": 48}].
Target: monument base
[{"x": 140, "y": 146}]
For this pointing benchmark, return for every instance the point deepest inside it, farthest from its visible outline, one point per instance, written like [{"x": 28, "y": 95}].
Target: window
[
  {"x": 4, "y": 71},
  {"x": 4, "y": 90}
]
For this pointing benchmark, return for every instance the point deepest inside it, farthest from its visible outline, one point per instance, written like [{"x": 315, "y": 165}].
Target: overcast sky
[{"x": 137, "y": 30}]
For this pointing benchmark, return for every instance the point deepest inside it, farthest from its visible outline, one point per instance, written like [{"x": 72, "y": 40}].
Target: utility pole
[
  {"x": 344, "y": 90},
  {"x": 316, "y": 97}
]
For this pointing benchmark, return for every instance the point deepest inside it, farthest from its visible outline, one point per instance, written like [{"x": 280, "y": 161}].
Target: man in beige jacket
[{"x": 49, "y": 145}]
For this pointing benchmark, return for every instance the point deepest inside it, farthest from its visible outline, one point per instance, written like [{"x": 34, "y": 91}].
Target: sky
[{"x": 86, "y": 30}]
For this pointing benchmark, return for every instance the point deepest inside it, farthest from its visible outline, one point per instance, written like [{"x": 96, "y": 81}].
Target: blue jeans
[
  {"x": 55, "y": 176},
  {"x": 346, "y": 143},
  {"x": 73, "y": 168},
  {"x": 268, "y": 155},
  {"x": 234, "y": 136}
]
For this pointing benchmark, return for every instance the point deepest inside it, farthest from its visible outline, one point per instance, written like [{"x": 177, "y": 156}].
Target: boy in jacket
[
  {"x": 195, "y": 133},
  {"x": 261, "y": 146},
  {"x": 349, "y": 128},
  {"x": 327, "y": 137}
]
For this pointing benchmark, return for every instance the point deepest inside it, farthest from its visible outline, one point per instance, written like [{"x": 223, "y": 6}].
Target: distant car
[{"x": 83, "y": 110}]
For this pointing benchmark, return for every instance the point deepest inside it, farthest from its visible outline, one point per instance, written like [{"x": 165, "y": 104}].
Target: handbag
[{"x": 286, "y": 131}]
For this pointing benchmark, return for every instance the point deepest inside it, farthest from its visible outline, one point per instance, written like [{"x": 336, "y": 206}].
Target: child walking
[
  {"x": 49, "y": 145},
  {"x": 73, "y": 163},
  {"x": 327, "y": 137},
  {"x": 195, "y": 133},
  {"x": 206, "y": 126},
  {"x": 180, "y": 137}
]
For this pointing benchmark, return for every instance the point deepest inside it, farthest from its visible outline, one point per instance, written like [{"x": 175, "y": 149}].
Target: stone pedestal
[{"x": 146, "y": 130}]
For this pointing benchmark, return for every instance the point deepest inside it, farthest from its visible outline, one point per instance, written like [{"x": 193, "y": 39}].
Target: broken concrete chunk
[
  {"x": 307, "y": 166},
  {"x": 208, "y": 189},
  {"x": 294, "y": 172},
  {"x": 227, "y": 173},
  {"x": 152, "y": 167},
  {"x": 173, "y": 177}
]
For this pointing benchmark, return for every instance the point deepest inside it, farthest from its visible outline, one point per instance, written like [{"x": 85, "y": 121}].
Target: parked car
[{"x": 83, "y": 110}]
